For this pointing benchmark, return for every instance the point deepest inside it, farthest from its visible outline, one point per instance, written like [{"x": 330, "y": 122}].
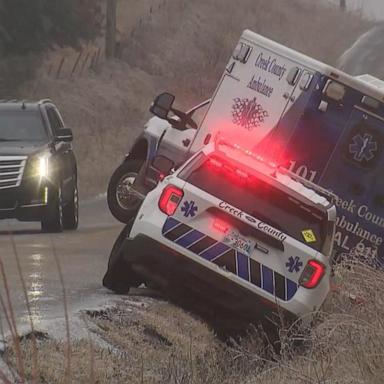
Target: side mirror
[
  {"x": 65, "y": 134},
  {"x": 162, "y": 105},
  {"x": 162, "y": 164}
]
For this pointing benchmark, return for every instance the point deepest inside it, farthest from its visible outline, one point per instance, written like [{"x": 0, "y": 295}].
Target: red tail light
[
  {"x": 312, "y": 274},
  {"x": 170, "y": 199},
  {"x": 249, "y": 153},
  {"x": 220, "y": 225}
]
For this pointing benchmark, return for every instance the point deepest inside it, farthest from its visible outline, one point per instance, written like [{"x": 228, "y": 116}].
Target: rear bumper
[
  {"x": 179, "y": 276},
  {"x": 25, "y": 203}
]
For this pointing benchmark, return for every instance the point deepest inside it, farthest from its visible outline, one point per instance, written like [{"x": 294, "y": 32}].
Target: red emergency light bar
[
  {"x": 246, "y": 152},
  {"x": 222, "y": 165}
]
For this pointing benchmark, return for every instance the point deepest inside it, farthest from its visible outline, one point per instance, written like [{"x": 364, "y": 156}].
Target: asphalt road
[{"x": 83, "y": 257}]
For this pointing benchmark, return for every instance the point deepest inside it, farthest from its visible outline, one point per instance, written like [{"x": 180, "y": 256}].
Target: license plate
[{"x": 235, "y": 240}]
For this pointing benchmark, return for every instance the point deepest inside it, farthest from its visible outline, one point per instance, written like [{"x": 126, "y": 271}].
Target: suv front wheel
[
  {"x": 53, "y": 216},
  {"x": 71, "y": 211}
]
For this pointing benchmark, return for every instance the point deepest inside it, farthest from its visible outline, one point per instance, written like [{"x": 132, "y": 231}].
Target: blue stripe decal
[
  {"x": 214, "y": 251},
  {"x": 170, "y": 224},
  {"x": 242, "y": 266},
  {"x": 242, "y": 260},
  {"x": 267, "y": 277},
  {"x": 190, "y": 238},
  {"x": 291, "y": 289}
]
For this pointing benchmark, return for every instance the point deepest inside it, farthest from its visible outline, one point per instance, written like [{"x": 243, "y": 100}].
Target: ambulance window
[
  {"x": 334, "y": 90},
  {"x": 306, "y": 81},
  {"x": 370, "y": 102},
  {"x": 259, "y": 199},
  {"x": 242, "y": 52},
  {"x": 293, "y": 75}
]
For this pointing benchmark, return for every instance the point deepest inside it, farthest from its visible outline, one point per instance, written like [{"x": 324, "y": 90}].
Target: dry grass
[
  {"x": 137, "y": 343},
  {"x": 144, "y": 340},
  {"x": 346, "y": 343},
  {"x": 103, "y": 110}
]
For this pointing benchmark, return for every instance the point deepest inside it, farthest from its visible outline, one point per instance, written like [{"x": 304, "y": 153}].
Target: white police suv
[{"x": 233, "y": 230}]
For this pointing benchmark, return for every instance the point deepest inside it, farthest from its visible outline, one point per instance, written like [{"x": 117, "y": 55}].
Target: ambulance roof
[{"x": 364, "y": 84}]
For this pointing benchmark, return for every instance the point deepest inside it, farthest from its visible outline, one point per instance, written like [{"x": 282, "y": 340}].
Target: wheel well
[{"x": 139, "y": 151}]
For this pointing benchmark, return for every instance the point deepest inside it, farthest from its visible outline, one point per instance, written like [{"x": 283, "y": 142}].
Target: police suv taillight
[
  {"x": 170, "y": 199},
  {"x": 312, "y": 274}
]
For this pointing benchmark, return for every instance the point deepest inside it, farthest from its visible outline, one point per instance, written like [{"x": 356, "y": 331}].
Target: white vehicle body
[{"x": 248, "y": 253}]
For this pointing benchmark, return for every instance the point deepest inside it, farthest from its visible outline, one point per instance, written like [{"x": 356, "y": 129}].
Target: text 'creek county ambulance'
[
  {"x": 235, "y": 230},
  {"x": 325, "y": 125}
]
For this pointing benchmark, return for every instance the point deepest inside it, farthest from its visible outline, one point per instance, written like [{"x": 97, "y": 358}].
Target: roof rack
[
  {"x": 42, "y": 101},
  {"x": 12, "y": 101}
]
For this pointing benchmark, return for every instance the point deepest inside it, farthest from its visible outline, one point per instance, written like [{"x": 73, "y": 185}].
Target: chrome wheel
[{"x": 127, "y": 197}]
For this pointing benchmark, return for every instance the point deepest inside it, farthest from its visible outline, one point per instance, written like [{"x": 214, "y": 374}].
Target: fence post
[
  {"x": 60, "y": 68},
  {"x": 84, "y": 63},
  {"x": 76, "y": 63},
  {"x": 50, "y": 68},
  {"x": 93, "y": 61}
]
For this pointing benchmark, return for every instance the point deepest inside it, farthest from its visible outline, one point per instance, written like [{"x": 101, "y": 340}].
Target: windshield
[
  {"x": 21, "y": 126},
  {"x": 260, "y": 200}
]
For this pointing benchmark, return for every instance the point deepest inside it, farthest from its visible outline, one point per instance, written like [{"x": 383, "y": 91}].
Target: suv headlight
[
  {"x": 39, "y": 166},
  {"x": 43, "y": 166}
]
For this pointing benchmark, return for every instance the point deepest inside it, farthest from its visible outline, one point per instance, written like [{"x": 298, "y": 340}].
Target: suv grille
[{"x": 11, "y": 171}]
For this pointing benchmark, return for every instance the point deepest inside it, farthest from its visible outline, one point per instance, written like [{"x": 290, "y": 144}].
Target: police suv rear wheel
[
  {"x": 71, "y": 211},
  {"x": 120, "y": 276},
  {"x": 53, "y": 218},
  {"x": 123, "y": 201}
]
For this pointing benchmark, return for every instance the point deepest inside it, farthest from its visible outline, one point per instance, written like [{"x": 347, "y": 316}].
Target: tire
[
  {"x": 52, "y": 221},
  {"x": 71, "y": 211},
  {"x": 120, "y": 277},
  {"x": 122, "y": 203}
]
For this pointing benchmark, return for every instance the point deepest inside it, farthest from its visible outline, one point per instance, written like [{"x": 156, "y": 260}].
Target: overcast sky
[{"x": 372, "y": 8}]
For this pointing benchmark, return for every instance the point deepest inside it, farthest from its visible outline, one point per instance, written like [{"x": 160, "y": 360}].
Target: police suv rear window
[{"x": 260, "y": 200}]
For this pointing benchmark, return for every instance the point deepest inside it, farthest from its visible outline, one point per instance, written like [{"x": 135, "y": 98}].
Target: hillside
[{"x": 180, "y": 46}]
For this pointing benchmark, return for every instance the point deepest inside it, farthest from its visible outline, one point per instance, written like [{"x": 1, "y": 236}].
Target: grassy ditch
[{"x": 148, "y": 340}]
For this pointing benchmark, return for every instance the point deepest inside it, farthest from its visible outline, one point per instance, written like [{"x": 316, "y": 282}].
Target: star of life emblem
[
  {"x": 247, "y": 113},
  {"x": 363, "y": 147}
]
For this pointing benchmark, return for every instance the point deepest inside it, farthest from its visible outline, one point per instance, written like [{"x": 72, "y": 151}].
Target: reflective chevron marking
[{"x": 229, "y": 259}]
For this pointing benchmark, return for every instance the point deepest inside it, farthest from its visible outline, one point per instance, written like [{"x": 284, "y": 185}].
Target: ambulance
[{"x": 317, "y": 121}]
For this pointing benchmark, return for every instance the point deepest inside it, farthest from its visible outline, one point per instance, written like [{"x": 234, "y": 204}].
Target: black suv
[{"x": 38, "y": 171}]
